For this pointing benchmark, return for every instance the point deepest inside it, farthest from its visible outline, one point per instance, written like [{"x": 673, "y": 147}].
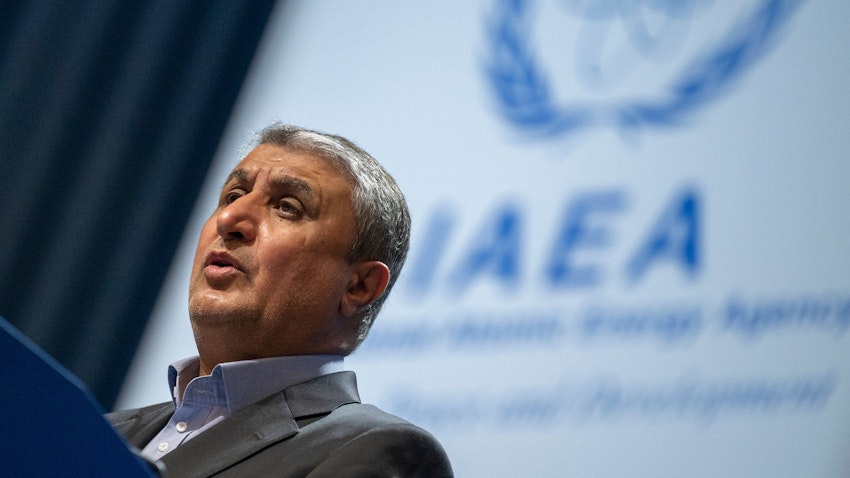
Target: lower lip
[{"x": 220, "y": 273}]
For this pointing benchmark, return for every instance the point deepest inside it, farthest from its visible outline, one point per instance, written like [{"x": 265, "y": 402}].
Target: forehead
[{"x": 276, "y": 161}]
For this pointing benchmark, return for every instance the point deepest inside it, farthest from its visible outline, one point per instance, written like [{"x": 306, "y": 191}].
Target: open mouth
[
  {"x": 222, "y": 260},
  {"x": 220, "y": 269}
]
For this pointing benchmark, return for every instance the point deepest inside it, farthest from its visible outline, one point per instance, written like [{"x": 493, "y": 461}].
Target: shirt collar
[{"x": 248, "y": 381}]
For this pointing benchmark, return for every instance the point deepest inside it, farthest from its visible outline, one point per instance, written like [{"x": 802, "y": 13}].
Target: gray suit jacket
[{"x": 314, "y": 429}]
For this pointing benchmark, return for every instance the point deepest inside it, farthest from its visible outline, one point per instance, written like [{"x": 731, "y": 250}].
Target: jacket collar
[{"x": 257, "y": 426}]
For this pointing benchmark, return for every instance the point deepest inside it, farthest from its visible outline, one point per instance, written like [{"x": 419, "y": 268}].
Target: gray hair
[{"x": 381, "y": 217}]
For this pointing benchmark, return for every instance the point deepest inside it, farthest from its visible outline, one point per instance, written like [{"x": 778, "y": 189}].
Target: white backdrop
[{"x": 630, "y": 226}]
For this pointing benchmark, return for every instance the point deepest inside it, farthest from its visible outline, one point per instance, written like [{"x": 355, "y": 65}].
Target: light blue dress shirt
[{"x": 201, "y": 402}]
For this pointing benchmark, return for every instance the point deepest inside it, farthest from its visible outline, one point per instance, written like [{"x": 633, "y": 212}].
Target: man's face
[{"x": 270, "y": 268}]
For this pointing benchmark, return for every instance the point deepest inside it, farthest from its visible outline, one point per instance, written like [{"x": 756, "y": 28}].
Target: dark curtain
[{"x": 110, "y": 113}]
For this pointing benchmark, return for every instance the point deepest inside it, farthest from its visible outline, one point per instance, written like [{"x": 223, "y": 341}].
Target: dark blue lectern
[{"x": 49, "y": 424}]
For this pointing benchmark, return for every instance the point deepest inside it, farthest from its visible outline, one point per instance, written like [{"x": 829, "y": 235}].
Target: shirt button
[
  {"x": 181, "y": 427},
  {"x": 162, "y": 446}
]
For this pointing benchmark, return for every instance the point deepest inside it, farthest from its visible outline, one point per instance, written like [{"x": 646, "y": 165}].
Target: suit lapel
[
  {"x": 260, "y": 425},
  {"x": 234, "y": 439},
  {"x": 140, "y": 426}
]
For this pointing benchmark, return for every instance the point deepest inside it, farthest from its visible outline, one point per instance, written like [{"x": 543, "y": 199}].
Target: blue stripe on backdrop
[{"x": 110, "y": 113}]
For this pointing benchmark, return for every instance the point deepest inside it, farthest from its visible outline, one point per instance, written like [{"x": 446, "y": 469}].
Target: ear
[{"x": 368, "y": 281}]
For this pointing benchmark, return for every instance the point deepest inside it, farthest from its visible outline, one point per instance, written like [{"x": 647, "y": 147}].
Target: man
[{"x": 307, "y": 240}]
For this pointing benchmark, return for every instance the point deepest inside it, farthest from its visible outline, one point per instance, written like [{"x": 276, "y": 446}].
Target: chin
[{"x": 213, "y": 310}]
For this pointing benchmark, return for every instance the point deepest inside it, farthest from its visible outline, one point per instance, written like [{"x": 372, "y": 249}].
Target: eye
[
  {"x": 289, "y": 207},
  {"x": 230, "y": 196}
]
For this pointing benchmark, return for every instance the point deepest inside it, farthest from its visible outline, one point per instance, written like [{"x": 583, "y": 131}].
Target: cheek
[{"x": 309, "y": 279}]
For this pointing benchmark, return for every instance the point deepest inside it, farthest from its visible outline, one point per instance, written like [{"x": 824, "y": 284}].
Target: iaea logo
[{"x": 623, "y": 64}]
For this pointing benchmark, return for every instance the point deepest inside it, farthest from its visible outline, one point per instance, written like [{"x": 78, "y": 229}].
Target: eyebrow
[
  {"x": 289, "y": 183},
  {"x": 286, "y": 183},
  {"x": 239, "y": 174}
]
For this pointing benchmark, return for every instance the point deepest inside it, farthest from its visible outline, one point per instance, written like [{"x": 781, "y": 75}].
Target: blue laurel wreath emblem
[{"x": 523, "y": 92}]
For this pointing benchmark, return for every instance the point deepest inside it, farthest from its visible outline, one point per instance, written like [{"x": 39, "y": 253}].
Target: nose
[{"x": 238, "y": 220}]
